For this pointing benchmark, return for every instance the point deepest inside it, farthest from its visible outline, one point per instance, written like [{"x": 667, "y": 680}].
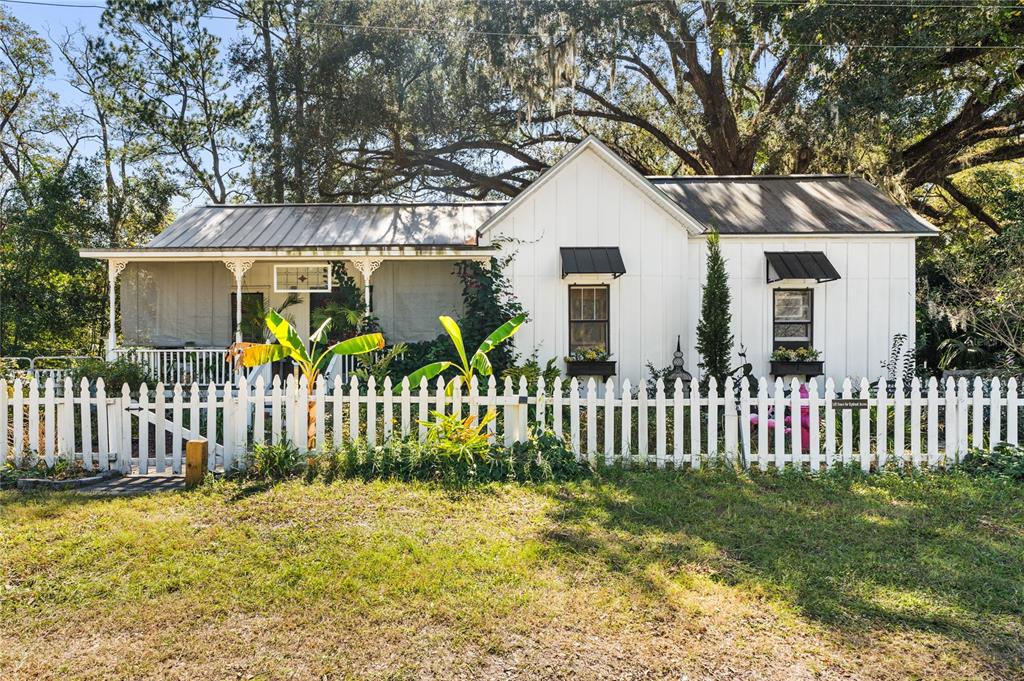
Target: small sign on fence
[{"x": 849, "y": 403}]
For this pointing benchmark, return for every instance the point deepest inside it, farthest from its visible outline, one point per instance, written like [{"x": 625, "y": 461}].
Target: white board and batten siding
[
  {"x": 590, "y": 203},
  {"x": 854, "y": 318}
]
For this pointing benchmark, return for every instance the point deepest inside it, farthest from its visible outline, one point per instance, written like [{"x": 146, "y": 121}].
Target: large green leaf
[
  {"x": 502, "y": 333},
  {"x": 286, "y": 335},
  {"x": 482, "y": 364},
  {"x": 428, "y": 372},
  {"x": 456, "y": 335},
  {"x": 360, "y": 345},
  {"x": 256, "y": 354}
]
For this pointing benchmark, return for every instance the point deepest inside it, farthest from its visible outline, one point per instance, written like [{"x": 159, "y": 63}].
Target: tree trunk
[{"x": 276, "y": 162}]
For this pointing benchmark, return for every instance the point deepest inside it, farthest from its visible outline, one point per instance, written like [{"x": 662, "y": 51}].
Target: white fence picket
[
  {"x": 1011, "y": 411},
  {"x": 144, "y": 431},
  {"x": 864, "y": 427},
  {"x": 780, "y": 424},
  {"x": 337, "y": 409},
  {"x": 793, "y": 424},
  {"x": 4, "y": 422},
  {"x": 713, "y": 402},
  {"x": 847, "y": 417},
  {"x": 387, "y": 406},
  {"x": 591, "y": 421},
  {"x": 950, "y": 421},
  {"x": 102, "y": 427},
  {"x": 678, "y": 424},
  {"x": 695, "y": 451},
  {"x": 882, "y": 423},
  {"x": 176, "y": 415},
  {"x": 730, "y": 420},
  {"x": 830, "y": 423},
  {"x": 609, "y": 421},
  {"x": 626, "y": 428},
  {"x": 995, "y": 413},
  {"x": 814, "y": 446},
  {"x": 933, "y": 422},
  {"x": 85, "y": 412},
  {"x": 574, "y": 415},
  {"x": 49, "y": 424},
  {"x": 660, "y": 427},
  {"x": 33, "y": 417},
  {"x": 978, "y": 415},
  {"x": 276, "y": 408},
  {"x": 915, "y": 422}
]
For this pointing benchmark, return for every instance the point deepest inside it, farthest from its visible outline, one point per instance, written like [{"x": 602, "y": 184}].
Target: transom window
[
  {"x": 302, "y": 278},
  {"x": 793, "y": 323},
  {"x": 588, "y": 317}
]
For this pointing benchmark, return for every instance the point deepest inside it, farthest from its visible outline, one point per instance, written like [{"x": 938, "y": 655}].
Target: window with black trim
[
  {"x": 588, "y": 318},
  {"x": 793, "y": 318}
]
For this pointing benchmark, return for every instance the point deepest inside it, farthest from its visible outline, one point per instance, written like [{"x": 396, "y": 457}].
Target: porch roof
[{"x": 277, "y": 227}]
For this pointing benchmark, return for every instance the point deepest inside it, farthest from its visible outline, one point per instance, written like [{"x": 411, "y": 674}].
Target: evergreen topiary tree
[{"x": 714, "y": 340}]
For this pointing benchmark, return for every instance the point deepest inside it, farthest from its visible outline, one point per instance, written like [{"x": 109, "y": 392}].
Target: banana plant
[
  {"x": 311, "y": 362},
  {"x": 467, "y": 367}
]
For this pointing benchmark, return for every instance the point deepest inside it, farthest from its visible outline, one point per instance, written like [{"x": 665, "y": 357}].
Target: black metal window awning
[
  {"x": 592, "y": 260},
  {"x": 800, "y": 265}
]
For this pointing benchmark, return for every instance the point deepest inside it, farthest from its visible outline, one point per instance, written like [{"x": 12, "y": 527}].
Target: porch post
[
  {"x": 114, "y": 268},
  {"x": 238, "y": 268},
  {"x": 366, "y": 267}
]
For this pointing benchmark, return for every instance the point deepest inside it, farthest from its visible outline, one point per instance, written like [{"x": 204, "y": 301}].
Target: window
[
  {"x": 793, "y": 323},
  {"x": 588, "y": 317},
  {"x": 302, "y": 278}
]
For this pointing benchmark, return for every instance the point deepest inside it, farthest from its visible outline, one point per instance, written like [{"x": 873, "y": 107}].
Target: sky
[{"x": 53, "y": 23}]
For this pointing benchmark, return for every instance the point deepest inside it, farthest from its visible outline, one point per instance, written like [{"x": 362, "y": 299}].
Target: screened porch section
[{"x": 177, "y": 318}]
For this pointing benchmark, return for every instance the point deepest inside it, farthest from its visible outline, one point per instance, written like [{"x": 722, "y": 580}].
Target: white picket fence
[{"x": 678, "y": 426}]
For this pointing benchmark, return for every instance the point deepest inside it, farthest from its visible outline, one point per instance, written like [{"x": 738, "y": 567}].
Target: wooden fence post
[{"x": 195, "y": 462}]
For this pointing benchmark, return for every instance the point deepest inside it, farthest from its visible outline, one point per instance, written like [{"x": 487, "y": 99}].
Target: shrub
[
  {"x": 461, "y": 439},
  {"x": 33, "y": 467},
  {"x": 1004, "y": 461},
  {"x": 532, "y": 372},
  {"x": 273, "y": 461},
  {"x": 542, "y": 457},
  {"x": 114, "y": 374},
  {"x": 714, "y": 338}
]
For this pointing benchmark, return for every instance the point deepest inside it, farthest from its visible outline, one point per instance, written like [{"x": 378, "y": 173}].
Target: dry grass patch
[{"x": 641, "y": 575}]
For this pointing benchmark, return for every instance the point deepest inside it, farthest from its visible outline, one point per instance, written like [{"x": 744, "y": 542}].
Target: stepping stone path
[{"x": 133, "y": 485}]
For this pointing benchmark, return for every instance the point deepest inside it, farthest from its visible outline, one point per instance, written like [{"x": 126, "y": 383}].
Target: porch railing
[
  {"x": 182, "y": 365},
  {"x": 207, "y": 365},
  {"x": 165, "y": 365}
]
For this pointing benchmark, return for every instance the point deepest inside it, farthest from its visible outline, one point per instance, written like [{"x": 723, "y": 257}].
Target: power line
[
  {"x": 1017, "y": 4},
  {"x": 448, "y": 31}
]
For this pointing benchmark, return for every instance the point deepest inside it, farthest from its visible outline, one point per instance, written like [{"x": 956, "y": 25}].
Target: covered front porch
[{"x": 176, "y": 313}]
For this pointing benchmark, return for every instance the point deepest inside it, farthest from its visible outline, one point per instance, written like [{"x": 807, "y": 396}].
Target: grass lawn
[{"x": 640, "y": 575}]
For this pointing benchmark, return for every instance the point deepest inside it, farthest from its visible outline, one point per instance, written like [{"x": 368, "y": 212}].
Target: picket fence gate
[{"x": 867, "y": 426}]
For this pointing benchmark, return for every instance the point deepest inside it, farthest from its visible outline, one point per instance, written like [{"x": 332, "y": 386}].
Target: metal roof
[
  {"x": 809, "y": 204},
  {"x": 800, "y": 265},
  {"x": 269, "y": 226},
  {"x": 592, "y": 260},
  {"x": 794, "y": 204}
]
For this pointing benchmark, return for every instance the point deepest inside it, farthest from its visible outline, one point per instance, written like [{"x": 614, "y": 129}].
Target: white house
[{"x": 603, "y": 257}]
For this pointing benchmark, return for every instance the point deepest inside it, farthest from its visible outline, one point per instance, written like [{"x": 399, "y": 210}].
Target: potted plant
[
  {"x": 804, "y": 362},
  {"x": 589, "y": 362}
]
